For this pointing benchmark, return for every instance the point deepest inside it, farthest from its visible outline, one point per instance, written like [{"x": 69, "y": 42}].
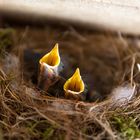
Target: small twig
[{"x": 132, "y": 69}]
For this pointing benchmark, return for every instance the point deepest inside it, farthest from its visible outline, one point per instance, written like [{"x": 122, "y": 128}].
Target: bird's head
[
  {"x": 49, "y": 64},
  {"x": 52, "y": 59},
  {"x": 75, "y": 84}
]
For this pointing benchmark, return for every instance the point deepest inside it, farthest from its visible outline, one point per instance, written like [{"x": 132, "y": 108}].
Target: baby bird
[
  {"x": 49, "y": 65},
  {"x": 74, "y": 87}
]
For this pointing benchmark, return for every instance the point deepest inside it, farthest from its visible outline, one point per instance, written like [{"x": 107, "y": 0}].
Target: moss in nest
[
  {"x": 42, "y": 129},
  {"x": 127, "y": 126},
  {"x": 6, "y": 39}
]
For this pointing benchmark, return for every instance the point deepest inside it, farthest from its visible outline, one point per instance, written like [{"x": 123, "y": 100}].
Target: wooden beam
[{"x": 115, "y": 15}]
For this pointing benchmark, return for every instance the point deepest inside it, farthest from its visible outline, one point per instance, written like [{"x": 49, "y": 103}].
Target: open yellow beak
[
  {"x": 75, "y": 84},
  {"x": 52, "y": 58}
]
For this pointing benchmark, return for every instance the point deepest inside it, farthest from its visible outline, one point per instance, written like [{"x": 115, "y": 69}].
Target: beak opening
[
  {"x": 52, "y": 58},
  {"x": 75, "y": 84}
]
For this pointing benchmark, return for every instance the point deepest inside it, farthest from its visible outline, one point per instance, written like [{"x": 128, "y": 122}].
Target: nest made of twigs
[{"x": 106, "y": 62}]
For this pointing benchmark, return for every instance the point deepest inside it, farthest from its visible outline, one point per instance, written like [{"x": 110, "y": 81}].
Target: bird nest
[{"x": 108, "y": 64}]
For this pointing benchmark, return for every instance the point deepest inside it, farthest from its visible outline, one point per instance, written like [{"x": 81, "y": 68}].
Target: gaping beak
[
  {"x": 49, "y": 64},
  {"x": 74, "y": 86},
  {"x": 51, "y": 59}
]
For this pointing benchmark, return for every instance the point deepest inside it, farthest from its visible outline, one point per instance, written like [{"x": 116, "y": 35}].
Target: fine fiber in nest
[{"x": 108, "y": 66}]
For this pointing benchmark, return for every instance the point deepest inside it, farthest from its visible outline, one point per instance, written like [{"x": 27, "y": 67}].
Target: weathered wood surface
[{"x": 116, "y": 15}]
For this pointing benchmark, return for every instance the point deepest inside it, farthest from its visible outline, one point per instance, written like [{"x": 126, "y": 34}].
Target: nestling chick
[
  {"x": 49, "y": 65},
  {"x": 74, "y": 87}
]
